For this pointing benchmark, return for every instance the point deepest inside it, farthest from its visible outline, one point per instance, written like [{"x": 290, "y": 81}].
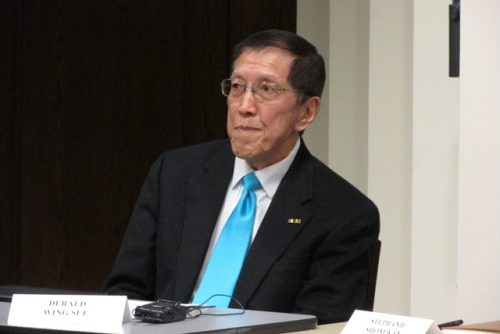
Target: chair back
[{"x": 372, "y": 276}]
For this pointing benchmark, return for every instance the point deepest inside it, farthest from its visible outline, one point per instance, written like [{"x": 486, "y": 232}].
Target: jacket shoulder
[
  {"x": 331, "y": 186},
  {"x": 194, "y": 155}
]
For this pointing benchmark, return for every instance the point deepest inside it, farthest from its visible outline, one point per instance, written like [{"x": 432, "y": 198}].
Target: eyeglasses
[{"x": 266, "y": 91}]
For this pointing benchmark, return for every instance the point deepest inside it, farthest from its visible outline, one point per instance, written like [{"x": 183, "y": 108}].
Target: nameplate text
[
  {"x": 364, "y": 322},
  {"x": 86, "y": 313}
]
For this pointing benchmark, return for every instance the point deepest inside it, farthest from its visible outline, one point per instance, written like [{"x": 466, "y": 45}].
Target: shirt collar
[{"x": 269, "y": 177}]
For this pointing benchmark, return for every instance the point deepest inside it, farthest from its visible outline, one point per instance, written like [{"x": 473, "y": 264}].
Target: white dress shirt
[{"x": 269, "y": 177}]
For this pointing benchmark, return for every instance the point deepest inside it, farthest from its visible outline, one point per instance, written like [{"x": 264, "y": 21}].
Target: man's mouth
[{"x": 246, "y": 128}]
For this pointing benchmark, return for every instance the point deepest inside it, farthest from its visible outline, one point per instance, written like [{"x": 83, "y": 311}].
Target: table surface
[
  {"x": 250, "y": 322},
  {"x": 325, "y": 329}
]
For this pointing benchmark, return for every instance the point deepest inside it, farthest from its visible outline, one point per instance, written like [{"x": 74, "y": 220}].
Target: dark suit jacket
[{"x": 319, "y": 266}]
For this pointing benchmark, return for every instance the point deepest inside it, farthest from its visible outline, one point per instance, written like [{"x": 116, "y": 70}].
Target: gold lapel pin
[{"x": 294, "y": 220}]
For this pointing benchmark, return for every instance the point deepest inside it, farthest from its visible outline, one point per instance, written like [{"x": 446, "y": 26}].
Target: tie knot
[{"x": 251, "y": 182}]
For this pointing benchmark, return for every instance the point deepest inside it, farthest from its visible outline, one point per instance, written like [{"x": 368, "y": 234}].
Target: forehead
[{"x": 267, "y": 63}]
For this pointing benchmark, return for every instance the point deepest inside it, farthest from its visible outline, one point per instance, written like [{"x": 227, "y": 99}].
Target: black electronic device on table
[{"x": 161, "y": 311}]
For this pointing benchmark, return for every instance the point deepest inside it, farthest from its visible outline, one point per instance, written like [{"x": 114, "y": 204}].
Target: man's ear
[{"x": 310, "y": 110}]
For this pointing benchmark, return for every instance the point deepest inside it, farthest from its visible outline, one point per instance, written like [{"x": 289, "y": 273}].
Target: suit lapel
[
  {"x": 275, "y": 232},
  {"x": 206, "y": 193}
]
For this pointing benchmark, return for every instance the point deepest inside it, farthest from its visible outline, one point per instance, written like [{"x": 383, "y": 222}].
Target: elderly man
[{"x": 255, "y": 218}]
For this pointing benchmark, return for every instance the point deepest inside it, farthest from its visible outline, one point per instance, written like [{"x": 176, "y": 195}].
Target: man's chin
[
  {"x": 244, "y": 154},
  {"x": 241, "y": 150}
]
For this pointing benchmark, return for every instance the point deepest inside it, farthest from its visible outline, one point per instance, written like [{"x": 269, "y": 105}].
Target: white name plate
[
  {"x": 97, "y": 314},
  {"x": 364, "y": 322}
]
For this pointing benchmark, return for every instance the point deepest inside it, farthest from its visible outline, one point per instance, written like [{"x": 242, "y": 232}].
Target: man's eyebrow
[
  {"x": 236, "y": 77},
  {"x": 263, "y": 78},
  {"x": 267, "y": 79}
]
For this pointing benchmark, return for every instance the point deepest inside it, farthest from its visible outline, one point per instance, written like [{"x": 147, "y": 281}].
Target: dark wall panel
[
  {"x": 91, "y": 93},
  {"x": 206, "y": 49},
  {"x": 10, "y": 137},
  {"x": 251, "y": 16}
]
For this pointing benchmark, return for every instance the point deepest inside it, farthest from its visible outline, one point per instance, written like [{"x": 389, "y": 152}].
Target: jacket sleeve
[
  {"x": 338, "y": 276},
  {"x": 133, "y": 273}
]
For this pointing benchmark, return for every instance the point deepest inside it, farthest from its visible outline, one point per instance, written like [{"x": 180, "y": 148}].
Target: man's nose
[{"x": 248, "y": 101}]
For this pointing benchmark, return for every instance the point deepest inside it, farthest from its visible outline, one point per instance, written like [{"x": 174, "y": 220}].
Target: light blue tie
[{"x": 229, "y": 253}]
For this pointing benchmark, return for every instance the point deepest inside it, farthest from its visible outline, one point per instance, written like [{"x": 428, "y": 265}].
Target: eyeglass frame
[{"x": 255, "y": 90}]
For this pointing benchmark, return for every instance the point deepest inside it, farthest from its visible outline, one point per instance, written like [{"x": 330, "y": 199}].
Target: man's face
[{"x": 264, "y": 132}]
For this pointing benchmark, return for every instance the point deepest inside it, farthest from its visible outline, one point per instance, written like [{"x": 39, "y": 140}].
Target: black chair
[{"x": 372, "y": 278}]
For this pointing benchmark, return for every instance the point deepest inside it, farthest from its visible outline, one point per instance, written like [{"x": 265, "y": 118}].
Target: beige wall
[
  {"x": 420, "y": 144},
  {"x": 434, "y": 167},
  {"x": 389, "y": 169},
  {"x": 313, "y": 23},
  {"x": 478, "y": 272},
  {"x": 369, "y": 124}
]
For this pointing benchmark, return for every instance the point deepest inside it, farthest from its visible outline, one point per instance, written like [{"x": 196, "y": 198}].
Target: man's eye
[
  {"x": 267, "y": 88},
  {"x": 237, "y": 86}
]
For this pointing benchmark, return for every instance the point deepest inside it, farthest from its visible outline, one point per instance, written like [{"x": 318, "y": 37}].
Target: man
[{"x": 312, "y": 231}]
